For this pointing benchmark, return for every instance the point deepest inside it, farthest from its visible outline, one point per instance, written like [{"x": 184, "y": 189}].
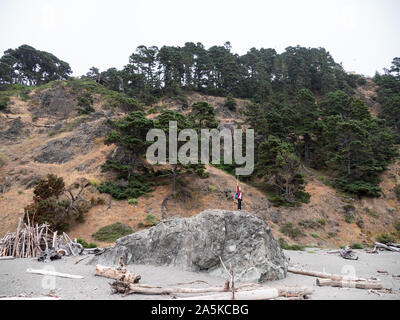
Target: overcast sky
[{"x": 361, "y": 34}]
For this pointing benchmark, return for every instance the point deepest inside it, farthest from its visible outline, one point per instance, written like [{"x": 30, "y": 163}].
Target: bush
[
  {"x": 134, "y": 189},
  {"x": 287, "y": 229},
  {"x": 230, "y": 103},
  {"x": 85, "y": 104},
  {"x": 47, "y": 207},
  {"x": 151, "y": 219},
  {"x": 112, "y": 232},
  {"x": 85, "y": 244},
  {"x": 384, "y": 238},
  {"x": 133, "y": 201},
  {"x": 284, "y": 245},
  {"x": 4, "y": 101},
  {"x": 313, "y": 224},
  {"x": 276, "y": 200},
  {"x": 356, "y": 246}
]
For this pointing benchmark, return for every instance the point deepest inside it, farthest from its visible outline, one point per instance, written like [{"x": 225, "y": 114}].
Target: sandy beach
[{"x": 15, "y": 281}]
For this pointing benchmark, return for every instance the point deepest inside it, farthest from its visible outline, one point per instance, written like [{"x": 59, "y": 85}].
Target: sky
[{"x": 363, "y": 35}]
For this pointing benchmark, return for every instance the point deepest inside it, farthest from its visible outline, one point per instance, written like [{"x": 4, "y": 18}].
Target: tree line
[{"x": 154, "y": 71}]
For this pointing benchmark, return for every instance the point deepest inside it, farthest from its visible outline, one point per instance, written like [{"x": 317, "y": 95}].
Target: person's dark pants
[{"x": 239, "y": 204}]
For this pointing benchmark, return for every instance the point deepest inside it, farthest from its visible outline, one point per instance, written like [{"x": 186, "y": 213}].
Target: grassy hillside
[{"x": 47, "y": 130}]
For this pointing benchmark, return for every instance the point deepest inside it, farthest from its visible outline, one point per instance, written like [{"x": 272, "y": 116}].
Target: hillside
[{"x": 45, "y": 134}]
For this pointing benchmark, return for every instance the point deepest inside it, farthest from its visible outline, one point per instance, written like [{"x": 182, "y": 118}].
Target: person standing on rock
[{"x": 239, "y": 195}]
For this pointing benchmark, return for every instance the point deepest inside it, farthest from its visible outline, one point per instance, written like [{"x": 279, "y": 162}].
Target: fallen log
[
  {"x": 259, "y": 294},
  {"x": 53, "y": 273},
  {"x": 7, "y": 258},
  {"x": 348, "y": 254},
  {"x": 118, "y": 273},
  {"x": 325, "y": 275},
  {"x": 386, "y": 247},
  {"x": 245, "y": 292},
  {"x": 349, "y": 284}
]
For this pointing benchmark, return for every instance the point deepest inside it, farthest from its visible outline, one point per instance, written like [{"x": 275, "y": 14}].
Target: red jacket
[{"x": 239, "y": 193}]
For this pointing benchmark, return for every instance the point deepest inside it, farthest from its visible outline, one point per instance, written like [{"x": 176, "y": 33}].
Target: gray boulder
[{"x": 241, "y": 239}]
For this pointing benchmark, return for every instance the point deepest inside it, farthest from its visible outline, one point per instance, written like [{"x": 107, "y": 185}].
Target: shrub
[
  {"x": 85, "y": 244},
  {"x": 47, "y": 207},
  {"x": 314, "y": 235},
  {"x": 230, "y": 103},
  {"x": 277, "y": 200},
  {"x": 133, "y": 201},
  {"x": 313, "y": 224},
  {"x": 112, "y": 232},
  {"x": 85, "y": 104},
  {"x": 94, "y": 182},
  {"x": 384, "y": 238},
  {"x": 284, "y": 245},
  {"x": 349, "y": 219},
  {"x": 211, "y": 187},
  {"x": 4, "y": 101},
  {"x": 291, "y": 232},
  {"x": 356, "y": 246},
  {"x": 134, "y": 189},
  {"x": 151, "y": 219}
]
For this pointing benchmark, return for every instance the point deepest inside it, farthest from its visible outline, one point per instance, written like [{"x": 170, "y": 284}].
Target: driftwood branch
[
  {"x": 259, "y": 294},
  {"x": 349, "y": 284},
  {"x": 53, "y": 273},
  {"x": 324, "y": 275},
  {"x": 118, "y": 273}
]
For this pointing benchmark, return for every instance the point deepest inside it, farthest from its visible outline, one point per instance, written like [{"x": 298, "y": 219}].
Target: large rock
[{"x": 241, "y": 239}]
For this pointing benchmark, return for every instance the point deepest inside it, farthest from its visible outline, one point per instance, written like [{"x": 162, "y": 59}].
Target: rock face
[{"x": 241, "y": 239}]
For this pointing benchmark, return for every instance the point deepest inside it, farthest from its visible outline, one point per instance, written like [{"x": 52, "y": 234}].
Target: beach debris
[
  {"x": 7, "y": 258},
  {"x": 53, "y": 273},
  {"x": 348, "y": 254},
  {"x": 369, "y": 284},
  {"x": 382, "y": 271},
  {"x": 243, "y": 292},
  {"x": 337, "y": 280},
  {"x": 39, "y": 241},
  {"x": 395, "y": 247},
  {"x": 390, "y": 246},
  {"x": 118, "y": 273},
  {"x": 81, "y": 259},
  {"x": 325, "y": 275}
]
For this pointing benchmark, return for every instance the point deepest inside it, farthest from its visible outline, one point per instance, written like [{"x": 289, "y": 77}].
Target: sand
[{"x": 15, "y": 281}]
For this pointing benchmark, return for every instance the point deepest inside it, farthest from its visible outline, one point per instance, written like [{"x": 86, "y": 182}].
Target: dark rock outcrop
[{"x": 241, "y": 239}]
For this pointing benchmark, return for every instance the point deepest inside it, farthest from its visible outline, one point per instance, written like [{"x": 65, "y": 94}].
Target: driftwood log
[
  {"x": 325, "y": 275},
  {"x": 295, "y": 293},
  {"x": 7, "y": 258},
  {"x": 245, "y": 292},
  {"x": 118, "y": 273},
  {"x": 53, "y": 273},
  {"x": 347, "y": 253},
  {"x": 387, "y": 247},
  {"x": 349, "y": 284}
]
